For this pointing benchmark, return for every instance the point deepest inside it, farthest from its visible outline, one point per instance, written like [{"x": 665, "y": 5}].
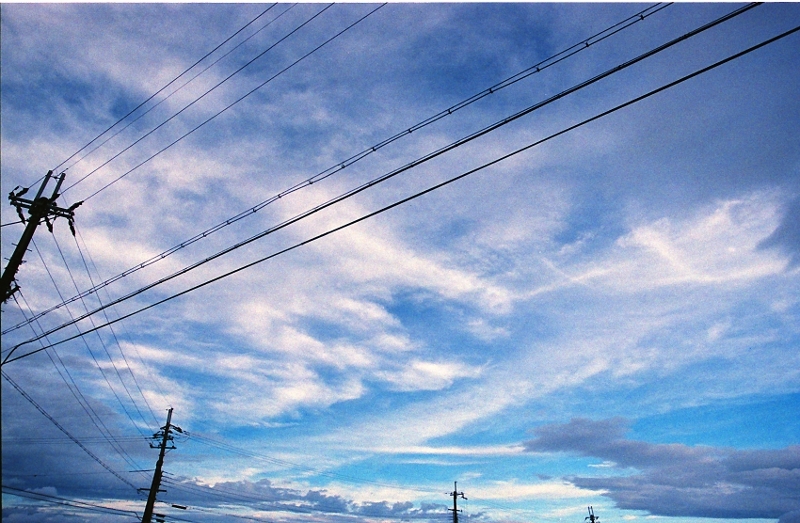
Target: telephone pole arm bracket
[{"x": 39, "y": 208}]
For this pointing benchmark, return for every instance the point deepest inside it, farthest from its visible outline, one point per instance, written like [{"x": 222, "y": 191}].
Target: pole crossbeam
[
  {"x": 455, "y": 494},
  {"x": 166, "y": 436},
  {"x": 40, "y": 208}
]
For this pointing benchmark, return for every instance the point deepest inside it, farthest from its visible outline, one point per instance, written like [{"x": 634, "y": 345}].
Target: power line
[
  {"x": 65, "y": 431},
  {"x": 230, "y": 105},
  {"x": 86, "y": 344},
  {"x": 458, "y": 143},
  {"x": 190, "y": 80},
  {"x": 418, "y": 194},
  {"x": 58, "y": 500},
  {"x": 103, "y": 343},
  {"x": 76, "y": 392},
  {"x": 162, "y": 89},
  {"x": 190, "y": 105},
  {"x": 284, "y": 463},
  {"x": 60, "y": 441},
  {"x": 525, "y": 73},
  {"x": 113, "y": 334},
  {"x": 286, "y": 505},
  {"x": 133, "y": 345}
]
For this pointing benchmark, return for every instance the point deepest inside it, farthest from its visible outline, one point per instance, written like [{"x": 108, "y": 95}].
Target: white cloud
[
  {"x": 619, "y": 342},
  {"x": 718, "y": 246},
  {"x": 516, "y": 491},
  {"x": 331, "y": 350},
  {"x": 427, "y": 375}
]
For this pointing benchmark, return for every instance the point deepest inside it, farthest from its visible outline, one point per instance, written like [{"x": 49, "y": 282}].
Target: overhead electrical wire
[
  {"x": 113, "y": 334},
  {"x": 99, "y": 299},
  {"x": 105, "y": 347},
  {"x": 205, "y": 440},
  {"x": 86, "y": 343},
  {"x": 109, "y": 437},
  {"x": 535, "y": 69},
  {"x": 165, "y": 86},
  {"x": 525, "y": 73},
  {"x": 60, "y": 441},
  {"x": 219, "y": 112},
  {"x": 65, "y": 431},
  {"x": 703, "y": 70},
  {"x": 59, "y": 500},
  {"x": 187, "y": 82},
  {"x": 458, "y": 143},
  {"x": 76, "y": 392},
  {"x": 196, "y": 100},
  {"x": 204, "y": 122},
  {"x": 294, "y": 505}
]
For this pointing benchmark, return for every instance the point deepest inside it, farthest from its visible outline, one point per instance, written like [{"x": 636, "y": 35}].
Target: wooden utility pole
[
  {"x": 165, "y": 436},
  {"x": 455, "y": 495},
  {"x": 591, "y": 517},
  {"x": 40, "y": 208}
]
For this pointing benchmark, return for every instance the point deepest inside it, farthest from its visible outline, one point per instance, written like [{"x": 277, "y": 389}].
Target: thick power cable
[
  {"x": 415, "y": 163},
  {"x": 536, "y": 68},
  {"x": 326, "y": 42},
  {"x": 190, "y": 104},
  {"x": 167, "y": 85},
  {"x": 187, "y": 82},
  {"x": 417, "y": 195}
]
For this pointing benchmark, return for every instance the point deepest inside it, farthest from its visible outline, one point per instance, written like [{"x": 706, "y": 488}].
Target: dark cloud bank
[{"x": 679, "y": 480}]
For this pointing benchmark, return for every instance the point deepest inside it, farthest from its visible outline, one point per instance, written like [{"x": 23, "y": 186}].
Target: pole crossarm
[
  {"x": 165, "y": 436},
  {"x": 455, "y": 495},
  {"x": 39, "y": 208}
]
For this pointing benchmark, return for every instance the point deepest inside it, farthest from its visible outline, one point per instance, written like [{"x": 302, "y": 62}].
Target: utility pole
[
  {"x": 40, "y": 208},
  {"x": 165, "y": 436},
  {"x": 455, "y": 495},
  {"x": 591, "y": 517}
]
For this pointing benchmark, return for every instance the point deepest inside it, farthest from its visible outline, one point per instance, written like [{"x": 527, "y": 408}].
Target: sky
[{"x": 367, "y": 251}]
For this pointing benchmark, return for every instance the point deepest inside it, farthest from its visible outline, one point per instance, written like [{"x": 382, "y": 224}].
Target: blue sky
[{"x": 610, "y": 318}]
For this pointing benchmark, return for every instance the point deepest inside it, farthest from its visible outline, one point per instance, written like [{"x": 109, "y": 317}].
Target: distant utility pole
[
  {"x": 455, "y": 495},
  {"x": 591, "y": 517},
  {"x": 40, "y": 208},
  {"x": 165, "y": 436}
]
